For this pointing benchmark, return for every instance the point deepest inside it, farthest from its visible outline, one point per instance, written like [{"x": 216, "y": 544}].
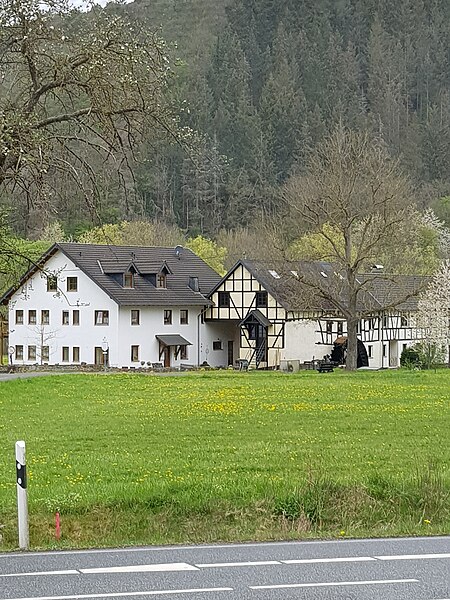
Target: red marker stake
[{"x": 57, "y": 526}]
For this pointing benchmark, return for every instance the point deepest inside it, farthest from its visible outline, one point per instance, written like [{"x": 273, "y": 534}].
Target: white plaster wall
[
  {"x": 218, "y": 331},
  {"x": 87, "y": 299},
  {"x": 301, "y": 340},
  {"x": 152, "y": 324}
]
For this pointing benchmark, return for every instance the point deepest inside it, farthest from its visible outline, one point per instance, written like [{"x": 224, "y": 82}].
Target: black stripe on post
[{"x": 21, "y": 474}]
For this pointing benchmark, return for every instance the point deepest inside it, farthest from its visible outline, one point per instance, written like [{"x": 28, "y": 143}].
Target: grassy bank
[{"x": 228, "y": 456}]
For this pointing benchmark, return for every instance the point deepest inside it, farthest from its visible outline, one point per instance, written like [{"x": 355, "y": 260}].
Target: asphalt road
[{"x": 391, "y": 569}]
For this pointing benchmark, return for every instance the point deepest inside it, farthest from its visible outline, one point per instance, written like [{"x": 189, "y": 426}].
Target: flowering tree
[{"x": 433, "y": 317}]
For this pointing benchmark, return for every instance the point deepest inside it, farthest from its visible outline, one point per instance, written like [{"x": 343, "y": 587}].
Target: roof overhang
[
  {"x": 256, "y": 316},
  {"x": 173, "y": 340}
]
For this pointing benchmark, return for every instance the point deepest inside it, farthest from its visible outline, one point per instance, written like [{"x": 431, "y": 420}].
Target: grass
[{"x": 131, "y": 459}]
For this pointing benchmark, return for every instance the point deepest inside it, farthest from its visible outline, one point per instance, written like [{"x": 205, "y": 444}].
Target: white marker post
[{"x": 22, "y": 502}]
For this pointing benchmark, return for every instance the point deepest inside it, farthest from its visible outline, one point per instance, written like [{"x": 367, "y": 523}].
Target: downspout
[
  {"x": 199, "y": 316},
  {"x": 382, "y": 339}
]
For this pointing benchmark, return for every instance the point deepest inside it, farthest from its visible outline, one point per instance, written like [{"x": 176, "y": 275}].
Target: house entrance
[
  {"x": 230, "y": 353},
  {"x": 166, "y": 356},
  {"x": 393, "y": 353}
]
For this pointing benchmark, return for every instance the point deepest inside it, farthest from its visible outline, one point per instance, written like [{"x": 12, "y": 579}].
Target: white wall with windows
[{"x": 52, "y": 318}]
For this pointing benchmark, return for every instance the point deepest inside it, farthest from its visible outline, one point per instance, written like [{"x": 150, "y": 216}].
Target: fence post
[{"x": 22, "y": 502}]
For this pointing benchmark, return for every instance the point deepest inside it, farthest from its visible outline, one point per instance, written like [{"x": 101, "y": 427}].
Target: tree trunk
[{"x": 351, "y": 363}]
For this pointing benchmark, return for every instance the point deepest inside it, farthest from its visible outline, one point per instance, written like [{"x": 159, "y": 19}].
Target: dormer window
[
  {"x": 128, "y": 280},
  {"x": 161, "y": 280}
]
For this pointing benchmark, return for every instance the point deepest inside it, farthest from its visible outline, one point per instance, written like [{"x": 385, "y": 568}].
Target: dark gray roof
[
  {"x": 256, "y": 315},
  {"x": 173, "y": 340},
  {"x": 288, "y": 283},
  {"x": 100, "y": 263}
]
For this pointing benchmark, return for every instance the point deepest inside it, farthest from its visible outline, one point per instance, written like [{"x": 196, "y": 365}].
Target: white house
[
  {"x": 127, "y": 306},
  {"x": 281, "y": 323}
]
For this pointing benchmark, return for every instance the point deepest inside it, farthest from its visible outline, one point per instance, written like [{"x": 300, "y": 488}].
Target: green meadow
[{"x": 209, "y": 456}]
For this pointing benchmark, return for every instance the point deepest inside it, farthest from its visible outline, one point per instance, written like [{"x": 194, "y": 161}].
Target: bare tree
[
  {"x": 77, "y": 90},
  {"x": 355, "y": 198}
]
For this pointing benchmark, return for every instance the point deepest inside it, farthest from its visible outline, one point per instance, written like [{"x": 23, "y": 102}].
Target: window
[
  {"x": 45, "y": 353},
  {"x": 340, "y": 328},
  {"x": 135, "y": 317},
  {"x": 128, "y": 280},
  {"x": 76, "y": 317},
  {"x": 385, "y": 322},
  {"x": 161, "y": 280},
  {"x": 217, "y": 345},
  {"x": 134, "y": 353},
  {"x": 167, "y": 317},
  {"x": 72, "y": 284},
  {"x": 183, "y": 352},
  {"x": 101, "y": 317},
  {"x": 370, "y": 351},
  {"x": 184, "y": 317},
  {"x": 261, "y": 299},
  {"x": 65, "y": 317},
  {"x": 330, "y": 327},
  {"x": 19, "y": 352},
  {"x": 224, "y": 299},
  {"x": 65, "y": 353},
  {"x": 384, "y": 350},
  {"x": 405, "y": 346},
  {"x": 32, "y": 317},
  {"x": 52, "y": 283},
  {"x": 75, "y": 354},
  {"x": 403, "y": 321},
  {"x": 31, "y": 352},
  {"x": 19, "y": 317},
  {"x": 45, "y": 317}
]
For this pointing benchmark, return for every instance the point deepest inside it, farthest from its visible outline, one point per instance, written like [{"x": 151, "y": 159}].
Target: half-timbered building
[{"x": 279, "y": 322}]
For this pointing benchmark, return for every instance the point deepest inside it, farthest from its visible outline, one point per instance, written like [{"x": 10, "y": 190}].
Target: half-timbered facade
[{"x": 261, "y": 305}]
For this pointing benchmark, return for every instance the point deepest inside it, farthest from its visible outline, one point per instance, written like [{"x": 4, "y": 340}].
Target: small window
[
  {"x": 72, "y": 284},
  {"x": 128, "y": 280},
  {"x": 45, "y": 354},
  {"x": 167, "y": 317},
  {"x": 32, "y": 319},
  {"x": 405, "y": 346},
  {"x": 384, "y": 350},
  {"x": 183, "y": 352},
  {"x": 370, "y": 351},
  {"x": 101, "y": 317},
  {"x": 385, "y": 322},
  {"x": 135, "y": 317},
  {"x": 52, "y": 283},
  {"x": 224, "y": 299},
  {"x": 340, "y": 328},
  {"x": 31, "y": 352},
  {"x": 217, "y": 345},
  {"x": 261, "y": 299},
  {"x": 134, "y": 353},
  {"x": 19, "y": 317},
  {"x": 161, "y": 280},
  {"x": 329, "y": 327},
  {"x": 76, "y": 317},
  {"x": 403, "y": 321},
  {"x": 65, "y": 317},
  {"x": 184, "y": 317},
  {"x": 75, "y": 354},
  {"x": 45, "y": 317},
  {"x": 19, "y": 352},
  {"x": 65, "y": 353}
]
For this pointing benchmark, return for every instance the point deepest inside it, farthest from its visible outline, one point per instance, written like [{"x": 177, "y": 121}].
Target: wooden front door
[{"x": 166, "y": 354}]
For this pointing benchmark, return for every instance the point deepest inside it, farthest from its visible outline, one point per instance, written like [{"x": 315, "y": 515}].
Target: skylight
[
  {"x": 323, "y": 274},
  {"x": 274, "y": 274}
]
